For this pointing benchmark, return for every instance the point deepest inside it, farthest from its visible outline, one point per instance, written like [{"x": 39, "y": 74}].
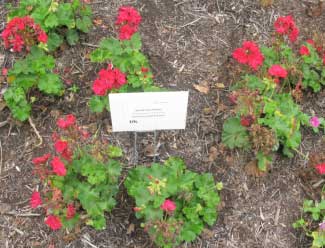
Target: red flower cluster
[
  {"x": 108, "y": 79},
  {"x": 22, "y": 31},
  {"x": 285, "y": 25},
  {"x": 168, "y": 206},
  {"x": 249, "y": 54},
  {"x": 320, "y": 168},
  {"x": 304, "y": 51},
  {"x": 35, "y": 200},
  {"x": 278, "y": 71},
  {"x": 128, "y": 19},
  {"x": 66, "y": 122},
  {"x": 53, "y": 222},
  {"x": 58, "y": 166}
]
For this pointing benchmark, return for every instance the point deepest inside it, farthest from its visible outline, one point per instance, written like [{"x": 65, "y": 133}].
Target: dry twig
[{"x": 36, "y": 132}]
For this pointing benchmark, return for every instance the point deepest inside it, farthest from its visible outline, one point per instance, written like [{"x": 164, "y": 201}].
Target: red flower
[
  {"x": 126, "y": 32},
  {"x": 53, "y": 222},
  {"x": 311, "y": 42},
  {"x": 246, "y": 121},
  {"x": 128, "y": 19},
  {"x": 278, "y": 71},
  {"x": 144, "y": 69},
  {"x": 58, "y": 167},
  {"x": 304, "y": 50},
  {"x": 41, "y": 160},
  {"x": 20, "y": 31},
  {"x": 129, "y": 15},
  {"x": 108, "y": 79},
  {"x": 100, "y": 87},
  {"x": 324, "y": 58},
  {"x": 320, "y": 168},
  {"x": 66, "y": 122},
  {"x": 285, "y": 25},
  {"x": 4, "y": 72},
  {"x": 249, "y": 54},
  {"x": 35, "y": 200},
  {"x": 67, "y": 155},
  {"x": 60, "y": 146},
  {"x": 42, "y": 37},
  {"x": 294, "y": 34},
  {"x": 168, "y": 206},
  {"x": 71, "y": 211}
]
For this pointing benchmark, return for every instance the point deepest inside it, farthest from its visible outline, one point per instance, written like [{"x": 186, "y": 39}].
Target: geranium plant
[
  {"x": 268, "y": 116},
  {"x": 79, "y": 180},
  {"x": 173, "y": 202},
  {"x": 128, "y": 68},
  {"x": 34, "y": 71},
  {"x": 60, "y": 19}
]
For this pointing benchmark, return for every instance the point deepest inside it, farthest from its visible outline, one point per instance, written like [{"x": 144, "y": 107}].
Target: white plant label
[{"x": 148, "y": 111}]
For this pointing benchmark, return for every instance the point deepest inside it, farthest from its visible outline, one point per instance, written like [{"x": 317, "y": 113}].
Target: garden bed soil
[{"x": 188, "y": 43}]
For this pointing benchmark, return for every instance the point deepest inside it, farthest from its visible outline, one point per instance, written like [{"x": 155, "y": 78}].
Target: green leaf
[
  {"x": 51, "y": 21},
  {"x": 234, "y": 134},
  {"x": 17, "y": 102},
  {"x": 84, "y": 24},
  {"x": 51, "y": 84},
  {"x": 97, "y": 104},
  {"x": 54, "y": 41},
  {"x": 263, "y": 161},
  {"x": 114, "y": 151},
  {"x": 72, "y": 37}
]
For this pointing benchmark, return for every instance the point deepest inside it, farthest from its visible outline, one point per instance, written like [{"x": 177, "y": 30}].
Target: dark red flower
[
  {"x": 71, "y": 211},
  {"x": 144, "y": 69},
  {"x": 246, "y": 121},
  {"x": 53, "y": 222},
  {"x": 304, "y": 51},
  {"x": 278, "y": 71},
  {"x": 249, "y": 54},
  {"x": 35, "y": 200},
  {"x": 58, "y": 167},
  {"x": 41, "y": 160}
]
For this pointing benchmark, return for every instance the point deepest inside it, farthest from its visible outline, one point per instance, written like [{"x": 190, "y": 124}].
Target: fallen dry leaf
[
  {"x": 98, "y": 21},
  {"x": 202, "y": 87},
  {"x": 213, "y": 153},
  {"x": 220, "y": 85},
  {"x": 252, "y": 170},
  {"x": 266, "y": 3},
  {"x": 130, "y": 229}
]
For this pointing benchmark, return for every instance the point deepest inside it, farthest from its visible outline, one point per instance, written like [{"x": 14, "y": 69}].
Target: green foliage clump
[
  {"x": 34, "y": 71},
  {"x": 195, "y": 196}
]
